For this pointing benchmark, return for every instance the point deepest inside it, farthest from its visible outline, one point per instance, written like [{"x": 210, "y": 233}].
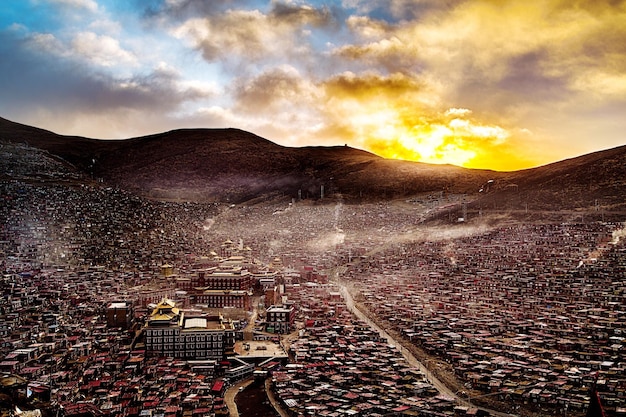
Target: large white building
[{"x": 171, "y": 332}]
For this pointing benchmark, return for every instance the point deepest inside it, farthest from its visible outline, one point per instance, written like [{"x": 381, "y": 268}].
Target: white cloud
[
  {"x": 243, "y": 33},
  {"x": 200, "y": 88},
  {"x": 457, "y": 112},
  {"x": 90, "y": 5},
  {"x": 367, "y": 27},
  {"x": 105, "y": 26},
  {"x": 101, "y": 50},
  {"x": 17, "y": 28},
  {"x": 48, "y": 43},
  {"x": 245, "y": 37}
]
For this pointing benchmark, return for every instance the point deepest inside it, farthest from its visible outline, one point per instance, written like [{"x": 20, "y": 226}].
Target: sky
[{"x": 492, "y": 84}]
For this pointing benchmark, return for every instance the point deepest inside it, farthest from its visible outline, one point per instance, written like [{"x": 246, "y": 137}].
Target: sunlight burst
[{"x": 449, "y": 138}]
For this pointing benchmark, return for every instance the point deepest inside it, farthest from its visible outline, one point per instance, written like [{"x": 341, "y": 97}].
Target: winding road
[{"x": 440, "y": 386}]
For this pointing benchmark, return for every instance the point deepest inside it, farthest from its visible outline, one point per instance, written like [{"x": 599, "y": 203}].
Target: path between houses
[{"x": 440, "y": 386}]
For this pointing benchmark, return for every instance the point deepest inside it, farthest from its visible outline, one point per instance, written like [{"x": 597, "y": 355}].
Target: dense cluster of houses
[
  {"x": 340, "y": 366},
  {"x": 67, "y": 346},
  {"x": 534, "y": 313},
  {"x": 526, "y": 314},
  {"x": 82, "y": 224}
]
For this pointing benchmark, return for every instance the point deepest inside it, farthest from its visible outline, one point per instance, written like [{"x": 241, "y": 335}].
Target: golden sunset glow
[
  {"x": 456, "y": 141},
  {"x": 392, "y": 117}
]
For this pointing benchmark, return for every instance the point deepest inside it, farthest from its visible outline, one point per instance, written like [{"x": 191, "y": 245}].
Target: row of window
[
  {"x": 185, "y": 339},
  {"x": 160, "y": 332},
  {"x": 206, "y": 298},
  {"x": 185, "y": 347},
  {"x": 278, "y": 316},
  {"x": 193, "y": 354}
]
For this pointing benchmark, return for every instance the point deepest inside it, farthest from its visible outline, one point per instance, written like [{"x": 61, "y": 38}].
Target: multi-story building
[
  {"x": 219, "y": 287},
  {"x": 171, "y": 332},
  {"x": 280, "y": 318},
  {"x": 119, "y": 314},
  {"x": 228, "y": 278},
  {"x": 221, "y": 277},
  {"x": 222, "y": 298}
]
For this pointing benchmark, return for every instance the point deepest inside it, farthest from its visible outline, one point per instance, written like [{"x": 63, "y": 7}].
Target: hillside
[
  {"x": 233, "y": 165},
  {"x": 594, "y": 183},
  {"x": 236, "y": 166}
]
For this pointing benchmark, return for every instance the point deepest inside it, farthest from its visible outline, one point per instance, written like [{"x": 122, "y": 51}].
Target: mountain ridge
[{"x": 235, "y": 165}]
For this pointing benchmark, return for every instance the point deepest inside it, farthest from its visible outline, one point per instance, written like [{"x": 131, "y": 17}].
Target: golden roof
[
  {"x": 166, "y": 303},
  {"x": 162, "y": 317},
  {"x": 165, "y": 310}
]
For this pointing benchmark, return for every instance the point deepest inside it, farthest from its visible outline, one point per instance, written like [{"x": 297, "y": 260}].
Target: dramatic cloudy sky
[{"x": 493, "y": 83}]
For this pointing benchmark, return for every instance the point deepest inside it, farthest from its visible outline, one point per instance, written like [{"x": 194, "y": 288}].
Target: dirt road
[{"x": 440, "y": 386}]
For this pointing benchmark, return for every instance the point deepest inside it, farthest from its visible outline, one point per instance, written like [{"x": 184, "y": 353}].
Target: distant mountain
[{"x": 237, "y": 166}]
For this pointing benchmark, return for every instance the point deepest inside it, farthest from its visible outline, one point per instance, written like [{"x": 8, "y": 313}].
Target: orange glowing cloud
[
  {"x": 452, "y": 137},
  {"x": 394, "y": 117}
]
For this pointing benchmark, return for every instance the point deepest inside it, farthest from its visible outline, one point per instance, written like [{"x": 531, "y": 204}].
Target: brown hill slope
[
  {"x": 231, "y": 164},
  {"x": 234, "y": 165},
  {"x": 592, "y": 182},
  {"x": 73, "y": 149}
]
